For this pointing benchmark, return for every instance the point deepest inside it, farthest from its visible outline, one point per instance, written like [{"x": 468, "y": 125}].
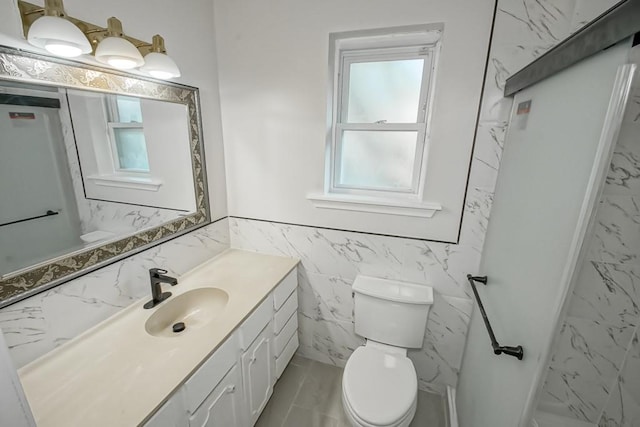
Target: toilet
[{"x": 379, "y": 384}]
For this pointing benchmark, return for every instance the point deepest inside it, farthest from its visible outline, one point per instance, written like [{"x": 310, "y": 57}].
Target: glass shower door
[{"x": 556, "y": 152}]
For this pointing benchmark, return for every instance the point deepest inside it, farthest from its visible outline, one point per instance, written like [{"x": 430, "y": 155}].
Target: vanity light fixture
[
  {"x": 117, "y": 51},
  {"x": 63, "y": 35},
  {"x": 56, "y": 34},
  {"x": 157, "y": 63}
]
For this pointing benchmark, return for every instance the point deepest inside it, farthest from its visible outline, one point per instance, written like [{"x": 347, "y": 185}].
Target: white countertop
[{"x": 116, "y": 374}]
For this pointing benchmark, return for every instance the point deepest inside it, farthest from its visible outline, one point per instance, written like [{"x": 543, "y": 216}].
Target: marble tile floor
[{"x": 308, "y": 394}]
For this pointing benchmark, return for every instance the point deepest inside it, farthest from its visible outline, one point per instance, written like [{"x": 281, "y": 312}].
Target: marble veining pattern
[
  {"x": 590, "y": 377},
  {"x": 623, "y": 408},
  {"x": 616, "y": 236},
  {"x": 584, "y": 368},
  {"x": 38, "y": 324},
  {"x": 608, "y": 293},
  {"x": 330, "y": 262}
]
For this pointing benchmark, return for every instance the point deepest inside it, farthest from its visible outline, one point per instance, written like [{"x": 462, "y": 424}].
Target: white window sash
[
  {"x": 117, "y": 168},
  {"x": 382, "y": 55},
  {"x": 348, "y": 57}
]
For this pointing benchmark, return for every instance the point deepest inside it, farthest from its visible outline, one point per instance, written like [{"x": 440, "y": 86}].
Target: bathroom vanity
[{"x": 132, "y": 369}]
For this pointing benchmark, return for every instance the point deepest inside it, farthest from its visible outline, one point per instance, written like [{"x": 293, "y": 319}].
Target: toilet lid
[{"x": 379, "y": 386}]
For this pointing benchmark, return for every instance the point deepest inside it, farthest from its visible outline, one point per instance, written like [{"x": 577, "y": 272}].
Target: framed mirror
[{"x": 95, "y": 166}]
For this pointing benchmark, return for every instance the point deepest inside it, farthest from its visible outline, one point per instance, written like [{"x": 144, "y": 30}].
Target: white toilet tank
[{"x": 390, "y": 311}]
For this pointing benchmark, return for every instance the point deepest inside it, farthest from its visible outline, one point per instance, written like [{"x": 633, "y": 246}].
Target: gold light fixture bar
[{"x": 30, "y": 12}]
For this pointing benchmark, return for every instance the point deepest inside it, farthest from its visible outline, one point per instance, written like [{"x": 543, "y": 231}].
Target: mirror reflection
[{"x": 80, "y": 168}]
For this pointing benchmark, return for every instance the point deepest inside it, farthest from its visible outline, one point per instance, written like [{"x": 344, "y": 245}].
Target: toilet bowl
[
  {"x": 379, "y": 387},
  {"x": 380, "y": 384}
]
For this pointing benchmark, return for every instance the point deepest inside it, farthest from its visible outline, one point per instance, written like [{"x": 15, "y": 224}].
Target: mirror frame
[{"x": 26, "y": 67}]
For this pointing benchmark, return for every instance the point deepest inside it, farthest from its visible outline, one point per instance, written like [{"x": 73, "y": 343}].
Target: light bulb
[
  {"x": 163, "y": 75},
  {"x": 62, "y": 49},
  {"x": 58, "y": 36},
  {"x": 118, "y": 53},
  {"x": 160, "y": 65},
  {"x": 122, "y": 63}
]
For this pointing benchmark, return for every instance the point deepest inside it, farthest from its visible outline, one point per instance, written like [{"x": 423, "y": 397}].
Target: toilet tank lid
[{"x": 393, "y": 290}]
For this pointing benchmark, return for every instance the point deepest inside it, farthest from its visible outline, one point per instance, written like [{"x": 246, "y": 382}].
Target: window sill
[
  {"x": 130, "y": 182},
  {"x": 374, "y": 205}
]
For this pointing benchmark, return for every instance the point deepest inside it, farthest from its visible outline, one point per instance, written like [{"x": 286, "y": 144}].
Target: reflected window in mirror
[{"x": 126, "y": 134}]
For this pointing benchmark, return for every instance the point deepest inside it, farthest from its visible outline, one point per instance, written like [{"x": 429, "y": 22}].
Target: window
[
  {"x": 380, "y": 124},
  {"x": 126, "y": 134},
  {"x": 380, "y": 109}
]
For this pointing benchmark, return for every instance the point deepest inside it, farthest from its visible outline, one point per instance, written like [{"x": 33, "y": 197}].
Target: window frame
[
  {"x": 114, "y": 123},
  {"x": 380, "y": 47}
]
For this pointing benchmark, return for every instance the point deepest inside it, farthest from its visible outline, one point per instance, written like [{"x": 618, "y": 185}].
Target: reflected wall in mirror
[{"x": 88, "y": 176}]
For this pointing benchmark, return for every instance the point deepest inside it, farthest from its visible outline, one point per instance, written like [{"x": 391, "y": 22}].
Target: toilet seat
[
  {"x": 379, "y": 387},
  {"x": 359, "y": 422}
]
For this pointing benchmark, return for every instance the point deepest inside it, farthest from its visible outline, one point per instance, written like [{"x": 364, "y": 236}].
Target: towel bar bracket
[{"x": 517, "y": 351}]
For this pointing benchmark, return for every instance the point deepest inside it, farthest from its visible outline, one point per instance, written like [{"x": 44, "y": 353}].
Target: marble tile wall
[
  {"x": 623, "y": 407},
  {"x": 330, "y": 261},
  {"x": 591, "y": 375},
  {"x": 42, "y": 322}
]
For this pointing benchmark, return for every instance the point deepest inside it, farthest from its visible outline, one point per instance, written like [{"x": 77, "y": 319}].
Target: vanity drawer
[
  {"x": 256, "y": 322},
  {"x": 282, "y": 338},
  {"x": 198, "y": 387},
  {"x": 284, "y": 289},
  {"x": 285, "y": 312},
  {"x": 287, "y": 354}
]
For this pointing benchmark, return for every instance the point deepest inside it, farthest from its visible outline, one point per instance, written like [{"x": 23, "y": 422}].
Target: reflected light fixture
[
  {"x": 56, "y": 34},
  {"x": 117, "y": 51},
  {"x": 157, "y": 63}
]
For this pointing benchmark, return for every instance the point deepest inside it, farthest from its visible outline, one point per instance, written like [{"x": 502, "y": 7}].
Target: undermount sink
[{"x": 195, "y": 309}]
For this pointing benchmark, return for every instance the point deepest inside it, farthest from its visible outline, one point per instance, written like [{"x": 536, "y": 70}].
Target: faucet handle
[{"x": 157, "y": 271}]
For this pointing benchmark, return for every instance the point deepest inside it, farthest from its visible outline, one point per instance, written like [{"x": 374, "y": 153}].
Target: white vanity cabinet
[
  {"x": 171, "y": 414},
  {"x": 232, "y": 387},
  {"x": 224, "y": 406},
  {"x": 285, "y": 322},
  {"x": 257, "y": 374}
]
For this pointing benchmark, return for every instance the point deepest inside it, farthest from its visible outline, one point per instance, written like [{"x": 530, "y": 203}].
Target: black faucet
[{"x": 157, "y": 276}]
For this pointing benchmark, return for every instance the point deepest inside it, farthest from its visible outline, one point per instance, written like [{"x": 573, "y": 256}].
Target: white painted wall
[
  {"x": 273, "y": 59},
  {"x": 189, "y": 36}
]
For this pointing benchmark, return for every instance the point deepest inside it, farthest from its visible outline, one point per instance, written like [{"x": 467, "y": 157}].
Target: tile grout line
[{"x": 304, "y": 379}]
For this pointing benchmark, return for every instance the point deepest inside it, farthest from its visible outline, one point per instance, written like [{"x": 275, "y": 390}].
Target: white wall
[
  {"x": 274, "y": 78},
  {"x": 189, "y": 36}
]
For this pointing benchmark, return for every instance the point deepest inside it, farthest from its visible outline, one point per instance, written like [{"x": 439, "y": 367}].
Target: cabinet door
[
  {"x": 224, "y": 406},
  {"x": 257, "y": 374},
  {"x": 171, "y": 414}
]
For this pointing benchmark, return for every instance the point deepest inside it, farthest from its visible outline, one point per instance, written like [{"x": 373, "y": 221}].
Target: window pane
[
  {"x": 377, "y": 159},
  {"x": 132, "y": 149},
  {"x": 129, "y": 109},
  {"x": 385, "y": 91}
]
